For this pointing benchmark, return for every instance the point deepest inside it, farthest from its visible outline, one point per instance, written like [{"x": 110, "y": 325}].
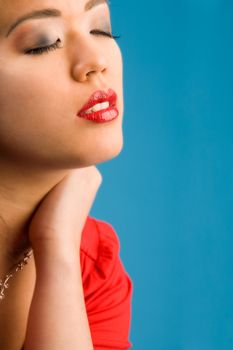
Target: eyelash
[{"x": 54, "y": 46}]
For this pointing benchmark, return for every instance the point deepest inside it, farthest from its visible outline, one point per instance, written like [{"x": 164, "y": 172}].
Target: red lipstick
[{"x": 100, "y": 113}]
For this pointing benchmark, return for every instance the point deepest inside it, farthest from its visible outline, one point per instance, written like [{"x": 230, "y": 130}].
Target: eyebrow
[{"x": 50, "y": 12}]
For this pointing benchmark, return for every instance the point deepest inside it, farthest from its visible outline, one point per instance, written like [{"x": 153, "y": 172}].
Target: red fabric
[{"x": 107, "y": 286}]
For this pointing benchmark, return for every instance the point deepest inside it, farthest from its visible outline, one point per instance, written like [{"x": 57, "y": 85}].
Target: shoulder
[
  {"x": 98, "y": 235},
  {"x": 107, "y": 286},
  {"x": 99, "y": 249}
]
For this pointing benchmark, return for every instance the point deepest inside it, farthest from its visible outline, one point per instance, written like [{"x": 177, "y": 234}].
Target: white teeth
[
  {"x": 105, "y": 104},
  {"x": 97, "y": 107}
]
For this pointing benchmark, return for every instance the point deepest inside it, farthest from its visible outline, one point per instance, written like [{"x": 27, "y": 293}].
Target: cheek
[
  {"x": 30, "y": 97},
  {"x": 116, "y": 72},
  {"x": 32, "y": 112},
  {"x": 116, "y": 64}
]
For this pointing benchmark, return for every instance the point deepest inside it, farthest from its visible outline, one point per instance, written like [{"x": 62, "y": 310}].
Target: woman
[{"x": 61, "y": 112}]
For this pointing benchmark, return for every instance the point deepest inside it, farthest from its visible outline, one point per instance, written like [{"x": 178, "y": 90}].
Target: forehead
[
  {"x": 11, "y": 9},
  {"x": 13, "y": 6}
]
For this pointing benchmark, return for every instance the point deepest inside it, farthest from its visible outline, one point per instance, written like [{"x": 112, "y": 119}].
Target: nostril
[{"x": 92, "y": 71}]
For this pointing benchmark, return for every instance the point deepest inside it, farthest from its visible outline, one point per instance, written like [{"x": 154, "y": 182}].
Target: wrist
[{"x": 56, "y": 255}]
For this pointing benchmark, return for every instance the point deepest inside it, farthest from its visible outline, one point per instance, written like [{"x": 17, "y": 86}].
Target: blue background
[{"x": 169, "y": 194}]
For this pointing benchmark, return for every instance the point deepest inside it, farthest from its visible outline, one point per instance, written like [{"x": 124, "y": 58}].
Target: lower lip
[{"x": 102, "y": 116}]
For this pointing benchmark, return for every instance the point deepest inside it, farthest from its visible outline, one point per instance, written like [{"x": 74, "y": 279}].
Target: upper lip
[{"x": 100, "y": 96}]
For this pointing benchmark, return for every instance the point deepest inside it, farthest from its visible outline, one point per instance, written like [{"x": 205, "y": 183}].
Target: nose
[{"x": 88, "y": 57}]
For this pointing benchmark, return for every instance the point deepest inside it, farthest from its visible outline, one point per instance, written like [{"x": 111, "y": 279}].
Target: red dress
[{"x": 107, "y": 286}]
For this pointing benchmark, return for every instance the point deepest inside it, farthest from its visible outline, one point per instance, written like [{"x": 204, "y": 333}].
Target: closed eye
[
  {"x": 100, "y": 32},
  {"x": 41, "y": 50},
  {"x": 56, "y": 45}
]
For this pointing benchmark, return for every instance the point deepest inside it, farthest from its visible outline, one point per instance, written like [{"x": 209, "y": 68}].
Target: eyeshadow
[{"x": 42, "y": 40}]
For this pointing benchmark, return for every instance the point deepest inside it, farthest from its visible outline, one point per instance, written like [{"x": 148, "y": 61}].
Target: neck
[{"x": 21, "y": 191}]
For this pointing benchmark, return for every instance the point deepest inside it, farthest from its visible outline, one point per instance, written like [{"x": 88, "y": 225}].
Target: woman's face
[{"x": 41, "y": 94}]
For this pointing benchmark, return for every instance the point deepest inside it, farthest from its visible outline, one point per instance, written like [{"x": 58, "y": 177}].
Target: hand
[{"x": 62, "y": 213}]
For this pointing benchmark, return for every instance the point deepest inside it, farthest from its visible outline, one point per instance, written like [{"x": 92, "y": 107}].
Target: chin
[
  {"x": 104, "y": 154},
  {"x": 108, "y": 153}
]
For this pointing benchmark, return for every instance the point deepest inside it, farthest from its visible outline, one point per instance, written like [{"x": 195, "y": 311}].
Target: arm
[{"x": 57, "y": 317}]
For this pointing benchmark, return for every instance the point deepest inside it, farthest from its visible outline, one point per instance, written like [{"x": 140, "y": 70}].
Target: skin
[
  {"x": 41, "y": 139},
  {"x": 50, "y": 290},
  {"x": 41, "y": 143}
]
